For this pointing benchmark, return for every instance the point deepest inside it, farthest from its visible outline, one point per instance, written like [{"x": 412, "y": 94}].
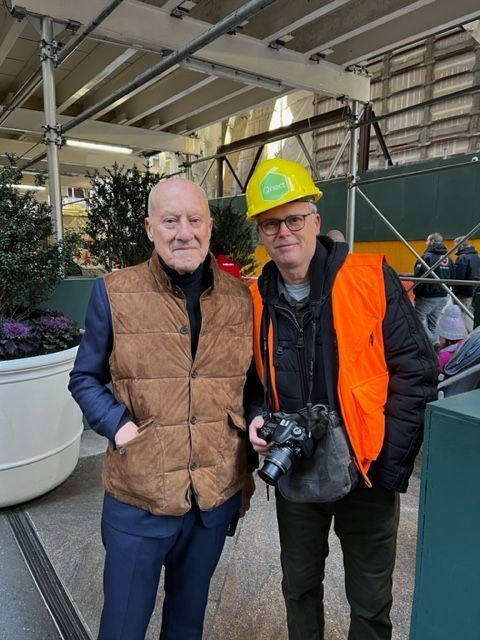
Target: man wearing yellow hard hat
[{"x": 343, "y": 373}]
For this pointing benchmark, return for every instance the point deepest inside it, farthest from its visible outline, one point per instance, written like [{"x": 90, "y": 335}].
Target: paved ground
[{"x": 245, "y": 600}]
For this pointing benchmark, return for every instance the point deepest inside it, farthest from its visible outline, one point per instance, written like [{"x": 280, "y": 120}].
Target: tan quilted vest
[{"x": 192, "y": 433}]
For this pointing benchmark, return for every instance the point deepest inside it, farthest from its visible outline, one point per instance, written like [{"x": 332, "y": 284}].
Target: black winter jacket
[
  {"x": 410, "y": 359},
  {"x": 444, "y": 270},
  {"x": 467, "y": 267}
]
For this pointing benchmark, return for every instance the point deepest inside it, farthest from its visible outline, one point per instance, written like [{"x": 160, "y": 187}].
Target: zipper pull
[
  {"x": 300, "y": 341},
  {"x": 372, "y": 339}
]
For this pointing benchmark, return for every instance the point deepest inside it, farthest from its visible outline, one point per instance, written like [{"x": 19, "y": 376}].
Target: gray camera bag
[{"x": 330, "y": 474}]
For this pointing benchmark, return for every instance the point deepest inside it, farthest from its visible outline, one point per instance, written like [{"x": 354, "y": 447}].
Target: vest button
[
  {"x": 122, "y": 451},
  {"x": 183, "y": 329},
  {"x": 194, "y": 374},
  {"x": 193, "y": 420},
  {"x": 194, "y": 466}
]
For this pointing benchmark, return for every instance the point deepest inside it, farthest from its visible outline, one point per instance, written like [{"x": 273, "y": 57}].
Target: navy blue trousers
[{"x": 133, "y": 566}]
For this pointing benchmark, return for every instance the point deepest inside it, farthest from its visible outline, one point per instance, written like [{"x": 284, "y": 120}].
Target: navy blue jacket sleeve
[{"x": 91, "y": 371}]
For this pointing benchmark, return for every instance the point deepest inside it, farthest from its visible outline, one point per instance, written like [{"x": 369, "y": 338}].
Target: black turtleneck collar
[
  {"x": 197, "y": 281},
  {"x": 193, "y": 285}
]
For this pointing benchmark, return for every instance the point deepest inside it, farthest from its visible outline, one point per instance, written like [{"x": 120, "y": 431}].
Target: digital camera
[{"x": 291, "y": 440}]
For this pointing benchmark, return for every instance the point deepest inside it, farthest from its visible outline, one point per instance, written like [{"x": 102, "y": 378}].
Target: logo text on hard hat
[{"x": 274, "y": 186}]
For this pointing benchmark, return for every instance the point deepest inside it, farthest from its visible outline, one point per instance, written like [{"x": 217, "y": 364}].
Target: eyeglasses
[{"x": 294, "y": 222}]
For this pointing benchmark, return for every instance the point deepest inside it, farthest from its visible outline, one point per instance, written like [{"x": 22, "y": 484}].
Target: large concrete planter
[{"x": 40, "y": 426}]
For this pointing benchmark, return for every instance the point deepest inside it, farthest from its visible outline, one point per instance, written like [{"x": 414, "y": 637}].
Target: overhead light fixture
[
  {"x": 94, "y": 146},
  {"x": 220, "y": 70},
  {"x": 27, "y": 187}
]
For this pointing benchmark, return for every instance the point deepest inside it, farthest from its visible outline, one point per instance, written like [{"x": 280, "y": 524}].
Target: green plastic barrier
[{"x": 447, "y": 579}]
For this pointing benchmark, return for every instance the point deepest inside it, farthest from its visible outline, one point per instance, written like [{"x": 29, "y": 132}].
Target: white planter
[{"x": 40, "y": 426}]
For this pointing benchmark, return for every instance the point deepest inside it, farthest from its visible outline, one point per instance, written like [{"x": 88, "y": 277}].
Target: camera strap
[{"x": 267, "y": 382}]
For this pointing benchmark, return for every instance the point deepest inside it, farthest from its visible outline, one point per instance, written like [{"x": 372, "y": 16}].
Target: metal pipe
[
  {"x": 281, "y": 133},
  {"x": 306, "y": 153},
  {"x": 51, "y": 130},
  {"x": 409, "y": 246},
  {"x": 228, "y": 23},
  {"x": 229, "y": 164},
  {"x": 408, "y": 278},
  {"x": 408, "y": 174},
  {"x": 223, "y": 26},
  {"x": 302, "y": 126},
  {"x": 220, "y": 177},
  {"x": 352, "y": 174},
  {"x": 425, "y": 103},
  {"x": 204, "y": 177},
  {"x": 84, "y": 31},
  {"x": 35, "y": 78}
]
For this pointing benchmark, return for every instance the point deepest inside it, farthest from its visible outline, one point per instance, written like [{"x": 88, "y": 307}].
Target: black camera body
[{"x": 291, "y": 440}]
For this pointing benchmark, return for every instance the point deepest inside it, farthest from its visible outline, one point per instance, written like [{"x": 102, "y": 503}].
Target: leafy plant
[
  {"x": 31, "y": 265},
  {"x": 117, "y": 207},
  {"x": 233, "y": 236},
  {"x": 44, "y": 331}
]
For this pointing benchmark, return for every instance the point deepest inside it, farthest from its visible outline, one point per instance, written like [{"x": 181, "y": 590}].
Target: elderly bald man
[{"x": 173, "y": 335}]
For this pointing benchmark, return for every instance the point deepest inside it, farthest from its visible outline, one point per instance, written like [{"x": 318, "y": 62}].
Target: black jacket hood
[{"x": 437, "y": 247}]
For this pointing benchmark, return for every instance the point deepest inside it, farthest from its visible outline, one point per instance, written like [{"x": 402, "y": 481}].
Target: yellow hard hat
[{"x": 275, "y": 182}]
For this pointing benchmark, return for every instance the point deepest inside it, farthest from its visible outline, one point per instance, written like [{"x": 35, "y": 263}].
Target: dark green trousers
[{"x": 366, "y": 522}]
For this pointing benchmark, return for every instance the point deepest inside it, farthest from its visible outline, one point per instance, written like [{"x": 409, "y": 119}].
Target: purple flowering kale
[
  {"x": 18, "y": 339},
  {"x": 57, "y": 323},
  {"x": 15, "y": 330},
  {"x": 42, "y": 332}
]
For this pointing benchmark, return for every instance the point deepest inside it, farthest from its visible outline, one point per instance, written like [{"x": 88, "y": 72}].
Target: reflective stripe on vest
[{"x": 359, "y": 305}]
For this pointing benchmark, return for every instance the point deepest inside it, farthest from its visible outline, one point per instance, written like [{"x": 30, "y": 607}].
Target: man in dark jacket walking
[
  {"x": 431, "y": 298},
  {"x": 467, "y": 267},
  {"x": 338, "y": 349}
]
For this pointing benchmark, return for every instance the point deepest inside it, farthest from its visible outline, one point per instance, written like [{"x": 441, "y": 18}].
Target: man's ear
[{"x": 148, "y": 228}]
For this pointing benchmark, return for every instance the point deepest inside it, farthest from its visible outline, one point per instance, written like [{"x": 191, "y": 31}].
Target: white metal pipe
[
  {"x": 415, "y": 253},
  {"x": 51, "y": 130},
  {"x": 35, "y": 78},
  {"x": 352, "y": 174}
]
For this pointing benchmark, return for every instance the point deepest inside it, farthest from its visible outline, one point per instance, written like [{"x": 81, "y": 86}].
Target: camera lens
[{"x": 278, "y": 462}]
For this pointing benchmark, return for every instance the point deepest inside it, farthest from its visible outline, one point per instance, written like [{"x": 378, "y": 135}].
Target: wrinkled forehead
[
  {"x": 179, "y": 199},
  {"x": 288, "y": 209}
]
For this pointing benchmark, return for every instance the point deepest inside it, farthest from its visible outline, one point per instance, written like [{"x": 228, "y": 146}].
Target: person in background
[
  {"x": 174, "y": 336},
  {"x": 430, "y": 298},
  {"x": 451, "y": 333},
  {"x": 334, "y": 331},
  {"x": 467, "y": 267},
  {"x": 336, "y": 235}
]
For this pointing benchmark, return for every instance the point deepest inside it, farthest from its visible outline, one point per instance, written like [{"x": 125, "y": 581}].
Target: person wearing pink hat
[{"x": 451, "y": 333}]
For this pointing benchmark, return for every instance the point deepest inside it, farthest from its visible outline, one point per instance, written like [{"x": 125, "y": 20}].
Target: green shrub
[
  {"x": 117, "y": 207},
  {"x": 31, "y": 264}
]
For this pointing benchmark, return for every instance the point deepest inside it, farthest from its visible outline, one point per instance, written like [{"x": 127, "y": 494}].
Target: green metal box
[{"x": 447, "y": 579}]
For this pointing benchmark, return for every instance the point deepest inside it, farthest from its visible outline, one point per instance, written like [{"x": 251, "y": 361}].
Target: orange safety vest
[{"x": 359, "y": 305}]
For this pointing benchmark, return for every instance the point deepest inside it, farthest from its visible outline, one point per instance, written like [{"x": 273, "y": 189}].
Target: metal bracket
[
  {"x": 49, "y": 50},
  {"x": 179, "y": 12},
  {"x": 57, "y": 137},
  {"x": 317, "y": 57},
  {"x": 276, "y": 44},
  {"x": 358, "y": 70}
]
